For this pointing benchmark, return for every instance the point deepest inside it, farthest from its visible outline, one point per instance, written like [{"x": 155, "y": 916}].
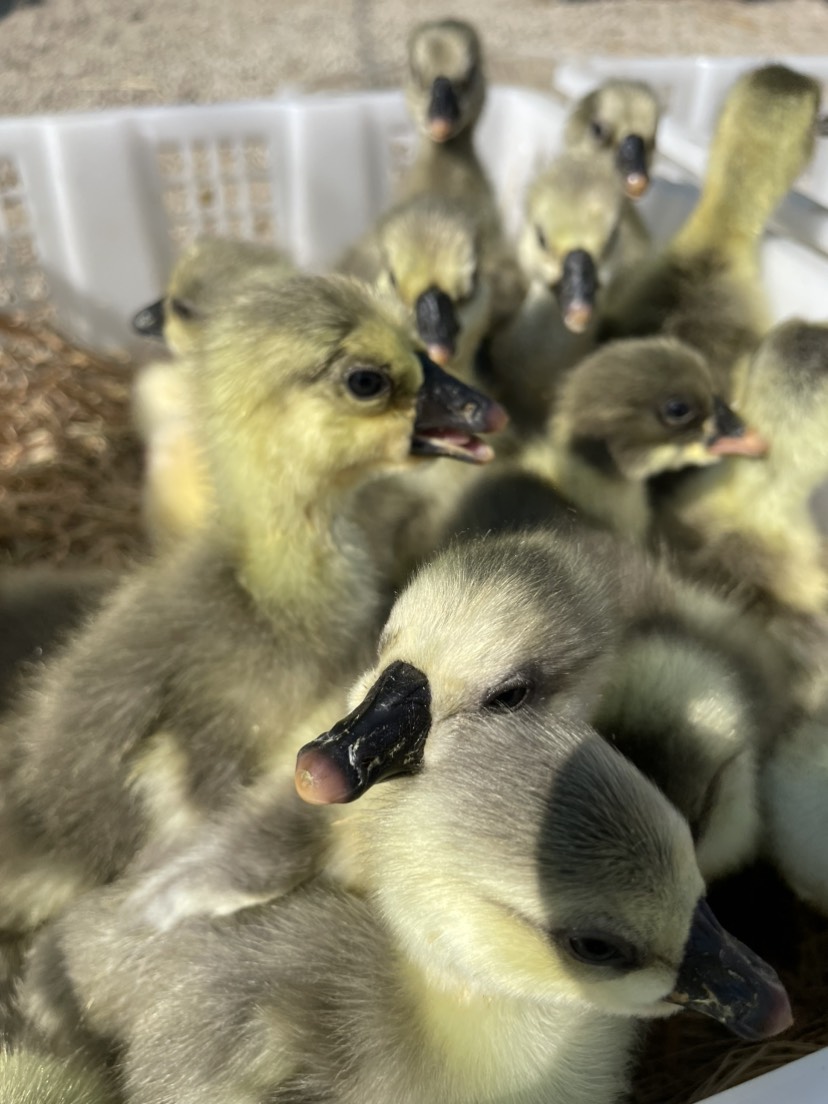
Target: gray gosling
[
  {"x": 177, "y": 495},
  {"x": 617, "y": 122},
  {"x": 445, "y": 89},
  {"x": 428, "y": 254},
  {"x": 706, "y": 287},
  {"x": 517, "y": 973},
  {"x": 576, "y": 237},
  {"x": 195, "y": 676},
  {"x": 630, "y": 411}
]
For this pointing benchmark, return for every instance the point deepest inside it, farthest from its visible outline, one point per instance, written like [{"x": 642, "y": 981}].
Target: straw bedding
[
  {"x": 70, "y": 470},
  {"x": 70, "y": 463}
]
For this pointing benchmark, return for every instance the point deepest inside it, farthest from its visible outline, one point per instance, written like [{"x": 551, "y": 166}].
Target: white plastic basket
[{"x": 94, "y": 207}]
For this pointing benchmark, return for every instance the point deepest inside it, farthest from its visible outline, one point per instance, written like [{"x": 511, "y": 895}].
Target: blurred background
[{"x": 61, "y": 55}]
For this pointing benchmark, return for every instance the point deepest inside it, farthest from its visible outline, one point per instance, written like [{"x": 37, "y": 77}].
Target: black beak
[
  {"x": 149, "y": 322},
  {"x": 731, "y": 437},
  {"x": 385, "y": 735},
  {"x": 722, "y": 978},
  {"x": 576, "y": 290},
  {"x": 444, "y": 104},
  {"x": 437, "y": 324},
  {"x": 449, "y": 414},
  {"x": 631, "y": 160}
]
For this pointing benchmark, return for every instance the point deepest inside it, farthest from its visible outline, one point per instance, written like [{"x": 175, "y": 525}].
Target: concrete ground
[{"x": 59, "y": 55}]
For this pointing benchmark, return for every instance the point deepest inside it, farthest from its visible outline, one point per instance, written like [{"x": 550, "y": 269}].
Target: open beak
[
  {"x": 576, "y": 290},
  {"x": 722, "y": 978},
  {"x": 384, "y": 736},
  {"x": 450, "y": 414},
  {"x": 443, "y": 110},
  {"x": 149, "y": 322},
  {"x": 437, "y": 324},
  {"x": 731, "y": 437},
  {"x": 631, "y": 160}
]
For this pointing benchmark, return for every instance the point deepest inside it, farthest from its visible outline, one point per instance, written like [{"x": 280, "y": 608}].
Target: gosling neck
[
  {"x": 301, "y": 548},
  {"x": 742, "y": 188}
]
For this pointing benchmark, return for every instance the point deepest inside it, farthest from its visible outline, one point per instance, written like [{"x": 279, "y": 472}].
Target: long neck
[
  {"x": 746, "y": 180},
  {"x": 302, "y": 555}
]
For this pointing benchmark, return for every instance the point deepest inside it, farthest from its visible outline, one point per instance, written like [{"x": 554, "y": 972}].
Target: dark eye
[
  {"x": 676, "y": 412},
  {"x": 392, "y": 279},
  {"x": 509, "y": 698},
  {"x": 597, "y": 949},
  {"x": 599, "y": 132},
  {"x": 542, "y": 242},
  {"x": 367, "y": 383},
  {"x": 182, "y": 309}
]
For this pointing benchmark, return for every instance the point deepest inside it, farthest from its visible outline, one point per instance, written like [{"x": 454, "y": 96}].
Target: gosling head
[
  {"x": 314, "y": 380},
  {"x": 513, "y": 623},
  {"x": 637, "y": 408},
  {"x": 619, "y": 118},
  {"x": 445, "y": 86},
  {"x": 572, "y": 215},
  {"x": 204, "y": 278},
  {"x": 514, "y": 851},
  {"x": 433, "y": 265}
]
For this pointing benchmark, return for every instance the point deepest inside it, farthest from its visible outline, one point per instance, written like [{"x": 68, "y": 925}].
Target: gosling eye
[
  {"x": 182, "y": 310},
  {"x": 392, "y": 279},
  {"x": 508, "y": 699},
  {"x": 596, "y": 948},
  {"x": 677, "y": 411},
  {"x": 599, "y": 131},
  {"x": 542, "y": 242},
  {"x": 367, "y": 383}
]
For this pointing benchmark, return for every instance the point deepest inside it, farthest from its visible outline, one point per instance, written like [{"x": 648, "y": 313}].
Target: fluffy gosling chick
[
  {"x": 576, "y": 236},
  {"x": 705, "y": 288},
  {"x": 445, "y": 89},
  {"x": 516, "y": 973},
  {"x": 427, "y": 253},
  {"x": 670, "y": 673},
  {"x": 632, "y": 410},
  {"x": 195, "y": 675},
  {"x": 617, "y": 121},
  {"x": 177, "y": 496}
]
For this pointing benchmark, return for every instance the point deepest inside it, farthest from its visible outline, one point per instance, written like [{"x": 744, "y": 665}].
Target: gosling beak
[
  {"x": 731, "y": 437},
  {"x": 449, "y": 414},
  {"x": 631, "y": 160},
  {"x": 384, "y": 736},
  {"x": 149, "y": 322},
  {"x": 437, "y": 324},
  {"x": 443, "y": 110},
  {"x": 722, "y": 978},
  {"x": 576, "y": 290}
]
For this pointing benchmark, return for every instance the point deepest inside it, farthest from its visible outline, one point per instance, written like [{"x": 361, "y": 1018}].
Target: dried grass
[{"x": 70, "y": 463}]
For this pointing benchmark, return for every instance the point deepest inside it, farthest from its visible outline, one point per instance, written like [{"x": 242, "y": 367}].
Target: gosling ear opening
[{"x": 383, "y": 737}]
